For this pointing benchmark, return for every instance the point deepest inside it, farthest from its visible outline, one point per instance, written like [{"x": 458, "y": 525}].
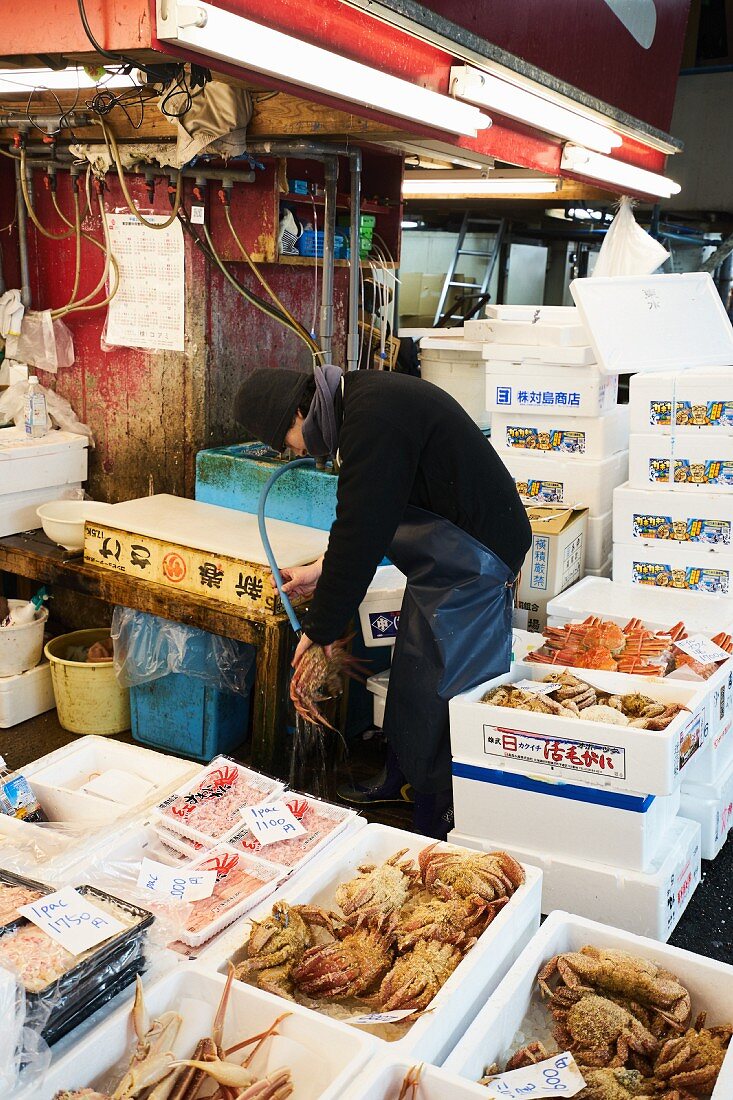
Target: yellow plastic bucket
[{"x": 88, "y": 697}]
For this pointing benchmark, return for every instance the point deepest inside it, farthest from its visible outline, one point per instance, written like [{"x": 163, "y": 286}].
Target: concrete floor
[{"x": 706, "y": 926}]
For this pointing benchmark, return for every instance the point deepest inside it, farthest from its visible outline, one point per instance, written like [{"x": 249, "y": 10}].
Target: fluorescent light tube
[
  {"x": 583, "y": 162},
  {"x": 215, "y": 33},
  {"x": 508, "y": 99},
  {"x": 26, "y": 80},
  {"x": 481, "y": 188}
]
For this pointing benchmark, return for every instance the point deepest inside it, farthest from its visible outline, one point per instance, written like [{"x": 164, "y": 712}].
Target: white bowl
[{"x": 63, "y": 521}]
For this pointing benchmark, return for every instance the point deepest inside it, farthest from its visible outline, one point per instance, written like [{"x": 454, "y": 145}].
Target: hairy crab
[
  {"x": 378, "y": 890},
  {"x": 599, "y": 1032},
  {"x": 690, "y": 1063},
  {"x": 488, "y": 875},
  {"x": 448, "y": 920},
  {"x": 616, "y": 1084},
  {"x": 418, "y": 976},
  {"x": 277, "y": 944},
  {"x": 350, "y": 967},
  {"x": 318, "y": 678}
]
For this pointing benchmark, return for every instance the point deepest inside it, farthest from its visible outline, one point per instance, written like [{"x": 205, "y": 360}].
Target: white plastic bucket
[{"x": 21, "y": 646}]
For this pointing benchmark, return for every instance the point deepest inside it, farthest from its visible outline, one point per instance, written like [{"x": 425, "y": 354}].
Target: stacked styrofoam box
[
  {"x": 593, "y": 805},
  {"x": 35, "y": 471},
  {"x": 456, "y": 365},
  {"x": 555, "y": 421}
]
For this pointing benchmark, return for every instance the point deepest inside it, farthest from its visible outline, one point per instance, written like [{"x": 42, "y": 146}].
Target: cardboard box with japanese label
[
  {"x": 547, "y": 388},
  {"x": 548, "y": 432},
  {"x": 556, "y": 560},
  {"x": 576, "y": 750},
  {"x": 548, "y": 479},
  {"x": 700, "y": 463},
  {"x": 699, "y": 521},
  {"x": 674, "y": 567},
  {"x": 683, "y": 402}
]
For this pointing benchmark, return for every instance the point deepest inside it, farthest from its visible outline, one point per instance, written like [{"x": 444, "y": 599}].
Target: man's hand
[
  {"x": 303, "y": 646},
  {"x": 301, "y": 580}
]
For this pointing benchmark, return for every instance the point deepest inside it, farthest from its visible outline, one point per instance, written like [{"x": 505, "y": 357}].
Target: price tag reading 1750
[
  {"x": 272, "y": 821},
  {"x": 556, "y": 1076},
  {"x": 72, "y": 919}
]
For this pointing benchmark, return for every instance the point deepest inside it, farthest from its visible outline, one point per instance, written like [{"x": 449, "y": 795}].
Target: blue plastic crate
[
  {"x": 310, "y": 243},
  {"x": 180, "y": 713}
]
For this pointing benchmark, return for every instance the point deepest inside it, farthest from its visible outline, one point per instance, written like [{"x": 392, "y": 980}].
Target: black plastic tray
[
  {"x": 12, "y": 879},
  {"x": 65, "y": 1002},
  {"x": 61, "y": 1024}
]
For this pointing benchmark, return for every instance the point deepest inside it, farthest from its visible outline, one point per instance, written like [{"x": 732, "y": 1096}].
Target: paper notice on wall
[{"x": 148, "y": 309}]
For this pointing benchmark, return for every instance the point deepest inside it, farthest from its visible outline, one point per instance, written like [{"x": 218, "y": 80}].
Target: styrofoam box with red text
[{"x": 711, "y": 805}]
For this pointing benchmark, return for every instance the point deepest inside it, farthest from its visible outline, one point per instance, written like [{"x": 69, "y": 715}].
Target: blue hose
[{"x": 265, "y": 540}]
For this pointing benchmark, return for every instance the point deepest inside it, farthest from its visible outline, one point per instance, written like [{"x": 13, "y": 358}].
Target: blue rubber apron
[{"x": 455, "y": 632}]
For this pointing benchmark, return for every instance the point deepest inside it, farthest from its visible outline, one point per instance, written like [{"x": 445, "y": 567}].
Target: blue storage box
[{"x": 310, "y": 243}]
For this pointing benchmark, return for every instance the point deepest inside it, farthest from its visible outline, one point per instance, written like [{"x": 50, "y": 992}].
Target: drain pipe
[
  {"x": 325, "y": 328},
  {"x": 25, "y": 278}
]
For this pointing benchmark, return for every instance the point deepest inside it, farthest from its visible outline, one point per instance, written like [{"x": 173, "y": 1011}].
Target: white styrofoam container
[
  {"x": 554, "y": 314},
  {"x": 551, "y": 479},
  {"x": 577, "y": 821},
  {"x": 709, "y": 982},
  {"x": 603, "y": 570},
  {"x": 383, "y": 1080},
  {"x": 535, "y": 355},
  {"x": 684, "y": 463},
  {"x": 379, "y": 685},
  {"x": 323, "y": 1055},
  {"x": 659, "y": 608},
  {"x": 649, "y": 903},
  {"x": 683, "y": 402},
  {"x": 379, "y": 611},
  {"x": 433, "y": 1034},
  {"x": 553, "y": 434},
  {"x": 711, "y": 805},
  {"x": 647, "y": 323},
  {"x": 546, "y": 388},
  {"x": 58, "y": 458},
  {"x": 673, "y": 566},
  {"x": 620, "y": 757},
  {"x": 708, "y": 765},
  {"x": 598, "y": 541},
  {"x": 464, "y": 381},
  {"x": 24, "y": 696},
  {"x": 539, "y": 331},
  {"x": 19, "y": 509},
  {"x": 703, "y": 520}
]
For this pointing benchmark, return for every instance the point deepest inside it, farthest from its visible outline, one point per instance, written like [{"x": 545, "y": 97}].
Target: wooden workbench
[{"x": 34, "y": 557}]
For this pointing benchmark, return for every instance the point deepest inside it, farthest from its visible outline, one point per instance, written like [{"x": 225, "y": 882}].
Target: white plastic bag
[
  {"x": 628, "y": 249},
  {"x": 59, "y": 410},
  {"x": 44, "y": 343}
]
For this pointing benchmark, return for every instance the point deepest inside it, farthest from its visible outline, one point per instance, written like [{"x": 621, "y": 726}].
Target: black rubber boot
[
  {"x": 433, "y": 814},
  {"x": 388, "y": 787}
]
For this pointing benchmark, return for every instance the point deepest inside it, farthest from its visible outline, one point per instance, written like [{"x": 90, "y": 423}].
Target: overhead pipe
[{"x": 25, "y": 277}]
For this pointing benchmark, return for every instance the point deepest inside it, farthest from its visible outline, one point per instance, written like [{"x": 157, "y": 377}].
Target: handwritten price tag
[
  {"x": 175, "y": 883},
  {"x": 72, "y": 919},
  {"x": 702, "y": 649},
  {"x": 381, "y": 1017},
  {"x": 272, "y": 821},
  {"x": 557, "y": 1076},
  {"x": 536, "y": 686}
]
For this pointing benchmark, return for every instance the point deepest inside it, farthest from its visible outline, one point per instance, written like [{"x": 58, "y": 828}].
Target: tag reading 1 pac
[
  {"x": 556, "y": 1076},
  {"x": 72, "y": 919},
  {"x": 175, "y": 883},
  {"x": 272, "y": 821}
]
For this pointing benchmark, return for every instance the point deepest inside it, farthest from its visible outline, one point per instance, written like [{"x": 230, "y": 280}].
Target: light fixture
[
  {"x": 215, "y": 33},
  {"x": 412, "y": 223},
  {"x": 509, "y": 99},
  {"x": 70, "y": 79},
  {"x": 583, "y": 162},
  {"x": 480, "y": 187}
]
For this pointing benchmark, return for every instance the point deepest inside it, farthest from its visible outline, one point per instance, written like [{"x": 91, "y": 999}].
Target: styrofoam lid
[
  {"x": 654, "y": 322},
  {"x": 378, "y": 684},
  {"x": 14, "y": 443},
  {"x": 440, "y": 343},
  {"x": 388, "y": 578}
]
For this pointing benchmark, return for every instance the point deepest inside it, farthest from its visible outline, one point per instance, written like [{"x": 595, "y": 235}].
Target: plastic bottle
[
  {"x": 36, "y": 413},
  {"x": 26, "y": 613}
]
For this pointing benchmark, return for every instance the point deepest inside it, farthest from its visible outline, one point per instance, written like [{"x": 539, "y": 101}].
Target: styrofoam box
[
  {"x": 379, "y": 611},
  {"x": 581, "y": 822},
  {"x": 19, "y": 510},
  {"x": 648, "y": 323},
  {"x": 704, "y": 521},
  {"x": 603, "y": 571},
  {"x": 545, "y": 333},
  {"x": 682, "y": 463},
  {"x": 672, "y": 566},
  {"x": 554, "y": 314},
  {"x": 322, "y": 1055},
  {"x": 490, "y": 1036},
  {"x": 58, "y": 458},
  {"x": 552, "y": 434},
  {"x": 649, "y": 903},
  {"x": 711, "y": 805},
  {"x": 620, "y": 757},
  {"x": 551, "y": 479},
  {"x": 717, "y": 753},
  {"x": 462, "y": 377},
  {"x": 535, "y": 355},
  {"x": 23, "y": 697},
  {"x": 433, "y": 1034},
  {"x": 598, "y": 541},
  {"x": 384, "y": 1080},
  {"x": 683, "y": 402},
  {"x": 571, "y": 391},
  {"x": 379, "y": 686},
  {"x": 659, "y": 608}
]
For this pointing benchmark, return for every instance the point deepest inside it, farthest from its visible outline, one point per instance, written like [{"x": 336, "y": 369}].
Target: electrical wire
[
  {"x": 106, "y": 248},
  {"x": 77, "y": 265},
  {"x": 114, "y": 152}
]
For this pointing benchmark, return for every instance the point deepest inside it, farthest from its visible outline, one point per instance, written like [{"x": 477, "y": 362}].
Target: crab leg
[{"x": 258, "y": 1039}]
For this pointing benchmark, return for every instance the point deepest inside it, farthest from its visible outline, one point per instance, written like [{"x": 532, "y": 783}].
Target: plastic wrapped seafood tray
[
  {"x": 17, "y": 890},
  {"x": 323, "y": 1055},
  {"x": 491, "y": 1037},
  {"x": 322, "y": 821},
  {"x": 580, "y": 751},
  {"x": 207, "y": 809},
  {"x": 432, "y": 1034}
]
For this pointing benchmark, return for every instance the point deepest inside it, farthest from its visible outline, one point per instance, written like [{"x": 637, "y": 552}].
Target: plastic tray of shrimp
[
  {"x": 417, "y": 998},
  {"x": 259, "y": 1039},
  {"x": 662, "y": 992},
  {"x": 16, "y": 890}
]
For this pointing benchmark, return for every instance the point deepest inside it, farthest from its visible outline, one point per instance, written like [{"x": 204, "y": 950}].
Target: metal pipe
[
  {"x": 25, "y": 277},
  {"x": 325, "y": 330},
  {"x": 352, "y": 338}
]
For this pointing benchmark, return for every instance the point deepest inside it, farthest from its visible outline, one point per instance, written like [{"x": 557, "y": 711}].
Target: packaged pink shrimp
[
  {"x": 242, "y": 882},
  {"x": 321, "y": 821}
]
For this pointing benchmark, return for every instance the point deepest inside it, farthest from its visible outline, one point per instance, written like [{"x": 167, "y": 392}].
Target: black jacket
[{"x": 404, "y": 441}]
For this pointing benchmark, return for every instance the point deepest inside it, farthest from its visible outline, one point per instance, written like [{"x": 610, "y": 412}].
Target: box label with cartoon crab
[
  {"x": 552, "y": 752},
  {"x": 715, "y": 471},
  {"x": 691, "y": 414},
  {"x": 557, "y": 440},
  {"x": 691, "y": 577},
  {"x": 712, "y": 532},
  {"x": 659, "y": 469},
  {"x": 541, "y": 492}
]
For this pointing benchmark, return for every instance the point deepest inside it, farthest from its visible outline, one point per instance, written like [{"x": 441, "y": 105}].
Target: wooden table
[{"x": 36, "y": 558}]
